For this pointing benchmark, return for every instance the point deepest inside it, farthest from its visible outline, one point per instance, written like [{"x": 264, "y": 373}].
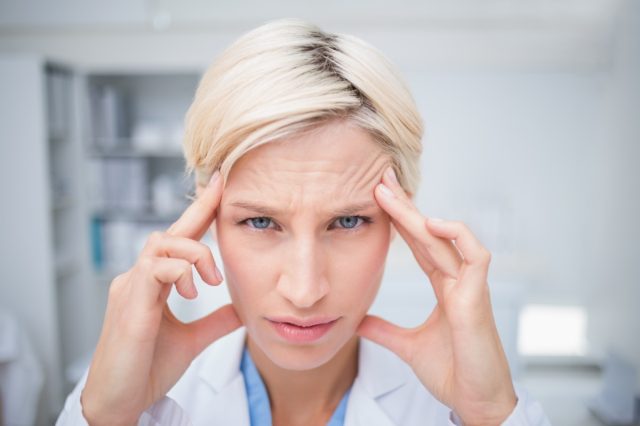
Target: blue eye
[
  {"x": 344, "y": 222},
  {"x": 259, "y": 222},
  {"x": 350, "y": 222}
]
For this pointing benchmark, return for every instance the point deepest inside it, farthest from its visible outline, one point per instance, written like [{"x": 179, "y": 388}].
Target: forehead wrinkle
[
  {"x": 293, "y": 172},
  {"x": 312, "y": 174},
  {"x": 312, "y": 194},
  {"x": 367, "y": 176},
  {"x": 305, "y": 179}
]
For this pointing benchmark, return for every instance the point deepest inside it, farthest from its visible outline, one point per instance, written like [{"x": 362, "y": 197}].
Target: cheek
[
  {"x": 357, "y": 267},
  {"x": 248, "y": 271}
]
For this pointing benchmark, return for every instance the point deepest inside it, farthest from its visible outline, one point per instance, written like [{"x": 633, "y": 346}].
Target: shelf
[
  {"x": 110, "y": 215},
  {"x": 59, "y": 139},
  {"x": 62, "y": 203},
  {"x": 567, "y": 361}
]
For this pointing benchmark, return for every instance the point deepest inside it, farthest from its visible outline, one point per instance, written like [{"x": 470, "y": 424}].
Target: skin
[
  {"x": 305, "y": 263},
  {"x": 456, "y": 353},
  {"x": 304, "y": 266}
]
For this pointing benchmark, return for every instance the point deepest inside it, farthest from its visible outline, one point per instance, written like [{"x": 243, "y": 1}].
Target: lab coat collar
[
  {"x": 380, "y": 373},
  {"x": 379, "y": 370},
  {"x": 222, "y": 365}
]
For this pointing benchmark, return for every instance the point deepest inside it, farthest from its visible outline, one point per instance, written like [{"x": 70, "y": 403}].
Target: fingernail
[
  {"x": 392, "y": 174},
  {"x": 218, "y": 273},
  {"x": 436, "y": 219},
  {"x": 214, "y": 177},
  {"x": 386, "y": 191}
]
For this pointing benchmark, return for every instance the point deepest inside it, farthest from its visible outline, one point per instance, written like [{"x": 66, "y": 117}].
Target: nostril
[{"x": 300, "y": 295}]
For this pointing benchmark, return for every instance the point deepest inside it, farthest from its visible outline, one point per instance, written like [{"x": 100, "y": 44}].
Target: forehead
[{"x": 336, "y": 160}]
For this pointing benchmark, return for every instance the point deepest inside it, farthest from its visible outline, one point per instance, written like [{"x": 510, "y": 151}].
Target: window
[{"x": 552, "y": 331}]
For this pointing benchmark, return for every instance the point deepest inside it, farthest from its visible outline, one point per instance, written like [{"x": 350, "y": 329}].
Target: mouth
[{"x": 302, "y": 330}]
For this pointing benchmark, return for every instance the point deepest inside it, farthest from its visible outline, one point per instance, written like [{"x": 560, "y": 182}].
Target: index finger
[
  {"x": 197, "y": 218},
  {"x": 411, "y": 225}
]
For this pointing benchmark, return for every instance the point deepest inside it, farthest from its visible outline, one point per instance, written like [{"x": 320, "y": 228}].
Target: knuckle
[
  {"x": 461, "y": 225},
  {"x": 204, "y": 251},
  {"x": 114, "y": 289},
  {"x": 120, "y": 278},
  {"x": 145, "y": 263},
  {"x": 117, "y": 284},
  {"x": 185, "y": 268},
  {"x": 485, "y": 255},
  {"x": 155, "y": 237}
]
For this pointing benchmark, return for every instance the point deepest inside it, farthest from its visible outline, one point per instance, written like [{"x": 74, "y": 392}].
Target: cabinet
[
  {"x": 136, "y": 182},
  {"x": 44, "y": 244},
  {"x": 90, "y": 164}
]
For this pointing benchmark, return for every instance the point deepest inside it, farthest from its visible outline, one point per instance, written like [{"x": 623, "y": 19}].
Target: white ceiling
[
  {"x": 416, "y": 34},
  {"x": 16, "y": 14}
]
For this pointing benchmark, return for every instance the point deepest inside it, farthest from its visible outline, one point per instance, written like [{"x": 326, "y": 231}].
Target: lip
[{"x": 302, "y": 330}]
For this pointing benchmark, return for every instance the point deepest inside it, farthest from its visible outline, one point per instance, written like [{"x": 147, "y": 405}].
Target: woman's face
[{"x": 303, "y": 241}]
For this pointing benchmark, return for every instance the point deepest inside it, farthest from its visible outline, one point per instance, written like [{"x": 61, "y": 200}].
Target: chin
[{"x": 299, "y": 357}]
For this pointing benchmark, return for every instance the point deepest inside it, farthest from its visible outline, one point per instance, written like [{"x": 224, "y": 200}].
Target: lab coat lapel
[
  {"x": 380, "y": 374},
  {"x": 364, "y": 410},
  {"x": 221, "y": 372}
]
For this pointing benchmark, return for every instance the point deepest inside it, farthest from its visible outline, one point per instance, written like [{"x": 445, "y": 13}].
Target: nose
[{"x": 303, "y": 280}]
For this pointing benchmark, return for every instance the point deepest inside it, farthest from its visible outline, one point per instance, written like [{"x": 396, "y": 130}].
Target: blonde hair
[{"x": 288, "y": 76}]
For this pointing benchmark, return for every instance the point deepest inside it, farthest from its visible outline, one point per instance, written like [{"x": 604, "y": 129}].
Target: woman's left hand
[{"x": 456, "y": 353}]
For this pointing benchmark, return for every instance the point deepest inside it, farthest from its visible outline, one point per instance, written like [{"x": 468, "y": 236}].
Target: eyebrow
[{"x": 347, "y": 210}]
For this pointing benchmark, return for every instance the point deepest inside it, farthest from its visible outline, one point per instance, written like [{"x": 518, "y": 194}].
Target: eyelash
[{"x": 365, "y": 221}]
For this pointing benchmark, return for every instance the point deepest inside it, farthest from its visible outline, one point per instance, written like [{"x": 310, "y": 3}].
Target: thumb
[
  {"x": 396, "y": 339},
  {"x": 217, "y": 324}
]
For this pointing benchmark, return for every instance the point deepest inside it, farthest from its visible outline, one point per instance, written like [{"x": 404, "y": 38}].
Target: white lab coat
[{"x": 385, "y": 393}]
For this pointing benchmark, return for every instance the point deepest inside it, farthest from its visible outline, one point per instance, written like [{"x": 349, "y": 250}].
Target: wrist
[
  {"x": 95, "y": 415},
  {"x": 493, "y": 417}
]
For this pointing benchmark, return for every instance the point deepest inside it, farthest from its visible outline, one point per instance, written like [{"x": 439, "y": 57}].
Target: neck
[{"x": 300, "y": 395}]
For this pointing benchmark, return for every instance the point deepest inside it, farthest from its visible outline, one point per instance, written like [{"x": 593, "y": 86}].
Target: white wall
[
  {"x": 513, "y": 155},
  {"x": 531, "y": 137},
  {"x": 617, "y": 297}
]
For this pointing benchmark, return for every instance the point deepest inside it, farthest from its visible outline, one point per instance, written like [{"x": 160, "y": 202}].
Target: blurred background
[{"x": 532, "y": 114}]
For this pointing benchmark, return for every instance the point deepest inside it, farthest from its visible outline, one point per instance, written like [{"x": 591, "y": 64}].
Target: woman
[{"x": 305, "y": 147}]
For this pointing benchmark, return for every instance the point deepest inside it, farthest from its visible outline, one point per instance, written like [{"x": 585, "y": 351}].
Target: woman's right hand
[{"x": 143, "y": 349}]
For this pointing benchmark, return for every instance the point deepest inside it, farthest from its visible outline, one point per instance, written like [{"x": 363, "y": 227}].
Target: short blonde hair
[{"x": 288, "y": 76}]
